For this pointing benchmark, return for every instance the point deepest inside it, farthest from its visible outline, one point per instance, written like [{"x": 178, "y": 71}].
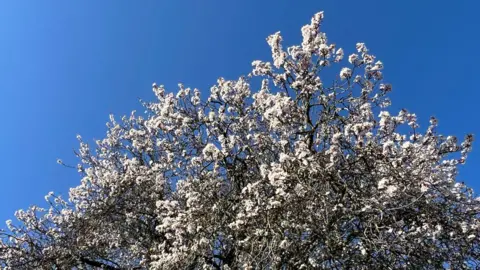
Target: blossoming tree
[{"x": 306, "y": 172}]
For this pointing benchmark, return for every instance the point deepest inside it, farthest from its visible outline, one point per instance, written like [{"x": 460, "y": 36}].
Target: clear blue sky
[{"x": 66, "y": 65}]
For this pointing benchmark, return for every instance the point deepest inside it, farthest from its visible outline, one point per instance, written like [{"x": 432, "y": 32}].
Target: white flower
[
  {"x": 361, "y": 48},
  {"x": 382, "y": 183},
  {"x": 283, "y": 157},
  {"x": 345, "y": 73},
  {"x": 353, "y": 59},
  {"x": 407, "y": 145},
  {"x": 337, "y": 137},
  {"x": 323, "y": 49},
  {"x": 339, "y": 55},
  {"x": 210, "y": 150},
  {"x": 391, "y": 189}
]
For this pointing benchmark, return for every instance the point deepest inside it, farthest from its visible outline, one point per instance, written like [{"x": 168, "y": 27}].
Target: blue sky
[{"x": 66, "y": 65}]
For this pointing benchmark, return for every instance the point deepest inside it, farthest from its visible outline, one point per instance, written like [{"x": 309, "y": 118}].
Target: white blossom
[{"x": 345, "y": 73}]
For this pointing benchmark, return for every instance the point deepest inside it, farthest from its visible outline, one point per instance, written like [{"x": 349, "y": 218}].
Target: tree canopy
[{"x": 297, "y": 165}]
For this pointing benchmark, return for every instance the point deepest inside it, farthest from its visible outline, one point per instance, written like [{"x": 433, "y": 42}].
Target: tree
[{"x": 305, "y": 173}]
